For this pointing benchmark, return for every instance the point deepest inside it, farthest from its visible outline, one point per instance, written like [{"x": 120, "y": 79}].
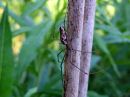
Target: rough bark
[
  {"x": 87, "y": 40},
  {"x": 74, "y": 30}
]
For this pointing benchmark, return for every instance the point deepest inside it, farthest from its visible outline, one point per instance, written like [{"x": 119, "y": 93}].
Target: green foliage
[
  {"x": 6, "y": 57},
  {"x": 94, "y": 94},
  {"x": 34, "y": 67}
]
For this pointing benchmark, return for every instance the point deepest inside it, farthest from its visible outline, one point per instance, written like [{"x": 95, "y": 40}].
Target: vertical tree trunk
[
  {"x": 74, "y": 30},
  {"x": 87, "y": 40}
]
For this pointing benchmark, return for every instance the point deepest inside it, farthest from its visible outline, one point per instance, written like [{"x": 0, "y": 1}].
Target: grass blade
[
  {"x": 6, "y": 57},
  {"x": 102, "y": 45}
]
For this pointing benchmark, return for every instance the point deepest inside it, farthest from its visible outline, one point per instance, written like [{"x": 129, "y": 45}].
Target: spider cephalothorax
[
  {"x": 64, "y": 41},
  {"x": 63, "y": 35}
]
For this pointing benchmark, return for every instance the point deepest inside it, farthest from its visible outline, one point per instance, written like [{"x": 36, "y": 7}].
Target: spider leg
[
  {"x": 81, "y": 51},
  {"x": 59, "y": 55},
  {"x": 62, "y": 69},
  {"x": 79, "y": 68},
  {"x": 76, "y": 66},
  {"x": 61, "y": 63}
]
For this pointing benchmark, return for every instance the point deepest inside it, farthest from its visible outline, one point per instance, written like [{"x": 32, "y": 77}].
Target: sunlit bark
[
  {"x": 87, "y": 40},
  {"x": 74, "y": 30}
]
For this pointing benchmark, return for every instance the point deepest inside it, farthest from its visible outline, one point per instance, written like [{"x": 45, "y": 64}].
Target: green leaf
[
  {"x": 95, "y": 59},
  {"x": 94, "y": 94},
  {"x": 6, "y": 57},
  {"x": 51, "y": 93},
  {"x": 32, "y": 7},
  {"x": 111, "y": 29},
  {"x": 20, "y": 20},
  {"x": 44, "y": 77},
  {"x": 103, "y": 15},
  {"x": 31, "y": 92},
  {"x": 102, "y": 45},
  {"x": 117, "y": 38},
  {"x": 22, "y": 30},
  {"x": 32, "y": 43}
]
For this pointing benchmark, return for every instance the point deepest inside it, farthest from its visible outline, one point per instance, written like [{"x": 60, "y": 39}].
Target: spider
[{"x": 64, "y": 41}]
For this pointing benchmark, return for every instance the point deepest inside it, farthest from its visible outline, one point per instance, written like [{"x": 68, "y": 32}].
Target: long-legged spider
[{"x": 64, "y": 41}]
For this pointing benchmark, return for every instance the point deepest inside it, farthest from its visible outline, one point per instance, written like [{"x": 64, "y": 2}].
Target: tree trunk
[
  {"x": 87, "y": 40},
  {"x": 72, "y": 59}
]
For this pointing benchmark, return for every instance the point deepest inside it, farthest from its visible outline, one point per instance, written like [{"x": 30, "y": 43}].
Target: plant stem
[
  {"x": 74, "y": 29},
  {"x": 87, "y": 40}
]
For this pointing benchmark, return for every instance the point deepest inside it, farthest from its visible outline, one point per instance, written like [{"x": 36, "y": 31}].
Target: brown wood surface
[{"x": 74, "y": 30}]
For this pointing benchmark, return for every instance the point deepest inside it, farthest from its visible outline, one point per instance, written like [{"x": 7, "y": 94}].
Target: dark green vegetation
[{"x": 32, "y": 64}]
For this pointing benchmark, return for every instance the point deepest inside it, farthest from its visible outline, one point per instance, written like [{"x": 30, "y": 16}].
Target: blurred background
[{"x": 35, "y": 44}]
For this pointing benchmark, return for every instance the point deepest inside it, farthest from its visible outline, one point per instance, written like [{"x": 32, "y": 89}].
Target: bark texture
[
  {"x": 87, "y": 40},
  {"x": 74, "y": 30}
]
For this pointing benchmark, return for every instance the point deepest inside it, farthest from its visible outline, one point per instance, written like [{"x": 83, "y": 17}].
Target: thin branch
[
  {"x": 87, "y": 40},
  {"x": 74, "y": 36}
]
